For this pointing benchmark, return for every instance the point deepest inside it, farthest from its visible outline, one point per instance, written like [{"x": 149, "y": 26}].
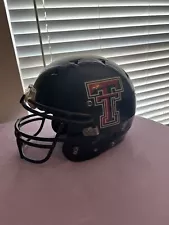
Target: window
[{"x": 132, "y": 33}]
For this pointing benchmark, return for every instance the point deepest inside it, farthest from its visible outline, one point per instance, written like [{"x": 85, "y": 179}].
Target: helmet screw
[
  {"x": 75, "y": 150},
  {"x": 89, "y": 103},
  {"x": 96, "y": 150},
  {"x": 113, "y": 144}
]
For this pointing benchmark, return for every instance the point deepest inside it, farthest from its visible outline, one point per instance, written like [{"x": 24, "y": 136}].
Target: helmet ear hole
[{"x": 56, "y": 125}]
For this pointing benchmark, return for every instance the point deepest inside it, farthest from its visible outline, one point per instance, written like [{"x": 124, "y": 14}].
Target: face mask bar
[
  {"x": 49, "y": 113},
  {"x": 24, "y": 139}
]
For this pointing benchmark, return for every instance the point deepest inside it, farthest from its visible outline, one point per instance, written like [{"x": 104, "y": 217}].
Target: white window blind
[{"x": 133, "y": 33}]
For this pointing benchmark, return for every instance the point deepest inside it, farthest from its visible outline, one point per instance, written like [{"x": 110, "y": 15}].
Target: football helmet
[{"x": 90, "y": 102}]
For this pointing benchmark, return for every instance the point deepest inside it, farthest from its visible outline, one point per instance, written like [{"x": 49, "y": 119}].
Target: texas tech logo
[{"x": 106, "y": 93}]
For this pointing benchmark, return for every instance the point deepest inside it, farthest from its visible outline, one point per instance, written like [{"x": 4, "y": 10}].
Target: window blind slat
[
  {"x": 20, "y": 4},
  {"x": 95, "y": 34},
  {"x": 149, "y": 72},
  {"x": 153, "y": 108},
  {"x": 156, "y": 114},
  {"x": 143, "y": 104},
  {"x": 25, "y": 51},
  {"x": 120, "y": 55},
  {"x": 161, "y": 116},
  {"x": 151, "y": 80},
  {"x": 163, "y": 121},
  {"x": 89, "y": 13},
  {"x": 27, "y": 27},
  {"x": 153, "y": 93}
]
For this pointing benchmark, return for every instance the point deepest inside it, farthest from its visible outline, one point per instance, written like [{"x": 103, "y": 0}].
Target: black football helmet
[{"x": 90, "y": 102}]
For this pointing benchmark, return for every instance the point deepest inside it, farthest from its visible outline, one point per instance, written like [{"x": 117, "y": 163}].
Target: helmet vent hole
[
  {"x": 103, "y": 61},
  {"x": 127, "y": 75},
  {"x": 76, "y": 62}
]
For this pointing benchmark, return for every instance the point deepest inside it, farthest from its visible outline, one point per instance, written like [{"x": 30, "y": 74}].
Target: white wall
[{"x": 10, "y": 83}]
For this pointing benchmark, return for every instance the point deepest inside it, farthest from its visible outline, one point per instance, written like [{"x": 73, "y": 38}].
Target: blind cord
[
  {"x": 39, "y": 32},
  {"x": 47, "y": 31},
  {"x": 100, "y": 38}
]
